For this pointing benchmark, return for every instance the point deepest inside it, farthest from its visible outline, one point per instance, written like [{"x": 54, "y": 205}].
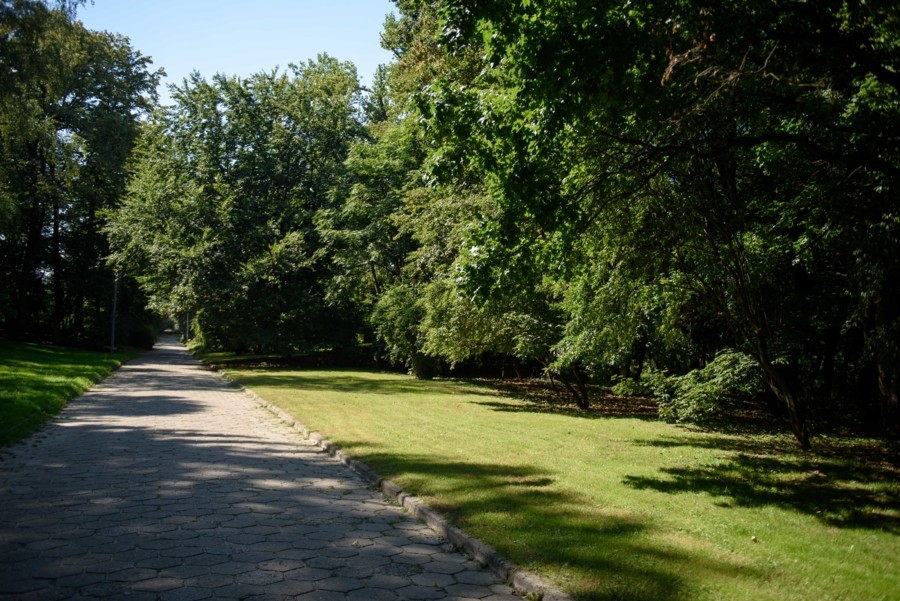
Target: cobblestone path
[{"x": 165, "y": 483}]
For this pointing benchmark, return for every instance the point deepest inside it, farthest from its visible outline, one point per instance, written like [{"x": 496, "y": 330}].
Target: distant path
[{"x": 163, "y": 482}]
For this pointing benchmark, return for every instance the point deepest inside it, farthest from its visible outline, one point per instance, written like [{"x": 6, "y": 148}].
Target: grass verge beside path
[
  {"x": 611, "y": 507},
  {"x": 36, "y": 381}
]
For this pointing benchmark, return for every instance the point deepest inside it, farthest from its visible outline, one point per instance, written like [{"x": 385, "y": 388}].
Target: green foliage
[
  {"x": 70, "y": 103},
  {"x": 220, "y": 220},
  {"x": 396, "y": 317},
  {"x": 698, "y": 395},
  {"x": 691, "y": 178}
]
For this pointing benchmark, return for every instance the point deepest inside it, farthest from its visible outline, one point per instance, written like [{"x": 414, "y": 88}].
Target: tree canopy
[
  {"x": 694, "y": 179},
  {"x": 70, "y": 104},
  {"x": 687, "y": 200},
  {"x": 220, "y": 216}
]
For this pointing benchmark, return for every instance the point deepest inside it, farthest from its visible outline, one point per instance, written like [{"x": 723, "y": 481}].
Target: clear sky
[{"x": 242, "y": 37}]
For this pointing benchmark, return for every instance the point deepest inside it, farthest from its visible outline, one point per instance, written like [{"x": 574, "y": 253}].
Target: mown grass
[
  {"x": 612, "y": 507},
  {"x": 36, "y": 381}
]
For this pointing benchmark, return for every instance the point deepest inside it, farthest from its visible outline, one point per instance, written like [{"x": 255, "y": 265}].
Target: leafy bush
[
  {"x": 643, "y": 387},
  {"x": 396, "y": 318},
  {"x": 698, "y": 394}
]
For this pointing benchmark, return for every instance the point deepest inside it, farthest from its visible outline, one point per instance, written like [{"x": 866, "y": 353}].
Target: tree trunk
[
  {"x": 829, "y": 355},
  {"x": 56, "y": 265},
  {"x": 788, "y": 393},
  {"x": 578, "y": 389},
  {"x": 887, "y": 355}
]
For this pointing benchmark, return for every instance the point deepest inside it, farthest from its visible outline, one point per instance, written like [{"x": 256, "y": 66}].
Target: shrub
[{"x": 697, "y": 395}]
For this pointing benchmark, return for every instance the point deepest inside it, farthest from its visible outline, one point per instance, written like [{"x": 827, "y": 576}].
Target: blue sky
[{"x": 240, "y": 37}]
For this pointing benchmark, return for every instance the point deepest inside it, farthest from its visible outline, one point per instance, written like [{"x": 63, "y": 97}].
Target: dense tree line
[
  {"x": 70, "y": 103},
  {"x": 698, "y": 202},
  {"x": 686, "y": 200},
  {"x": 220, "y": 217},
  {"x": 707, "y": 184}
]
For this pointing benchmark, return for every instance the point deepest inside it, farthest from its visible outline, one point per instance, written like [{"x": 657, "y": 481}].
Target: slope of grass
[
  {"x": 612, "y": 507},
  {"x": 36, "y": 381}
]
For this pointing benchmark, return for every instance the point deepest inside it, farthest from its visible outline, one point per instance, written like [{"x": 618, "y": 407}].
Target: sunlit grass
[
  {"x": 36, "y": 381},
  {"x": 617, "y": 507}
]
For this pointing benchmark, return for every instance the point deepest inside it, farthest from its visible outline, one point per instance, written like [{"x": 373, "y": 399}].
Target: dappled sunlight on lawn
[
  {"x": 352, "y": 382},
  {"x": 839, "y": 491},
  {"x": 620, "y": 505}
]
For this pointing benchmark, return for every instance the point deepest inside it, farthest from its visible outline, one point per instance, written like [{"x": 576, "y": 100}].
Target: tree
[
  {"x": 726, "y": 157},
  {"x": 70, "y": 102},
  {"x": 220, "y": 219}
]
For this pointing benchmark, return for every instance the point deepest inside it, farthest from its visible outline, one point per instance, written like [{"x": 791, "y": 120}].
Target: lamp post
[{"x": 115, "y": 309}]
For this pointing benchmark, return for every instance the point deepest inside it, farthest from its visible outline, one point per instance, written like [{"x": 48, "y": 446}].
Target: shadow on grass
[
  {"x": 844, "y": 487},
  {"x": 602, "y": 410},
  {"x": 601, "y": 555},
  {"x": 541, "y": 396},
  {"x": 362, "y": 382}
]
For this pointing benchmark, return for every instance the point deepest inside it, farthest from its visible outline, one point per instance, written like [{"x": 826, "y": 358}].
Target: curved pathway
[{"x": 164, "y": 482}]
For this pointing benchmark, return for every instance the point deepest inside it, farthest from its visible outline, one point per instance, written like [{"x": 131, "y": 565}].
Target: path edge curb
[{"x": 521, "y": 581}]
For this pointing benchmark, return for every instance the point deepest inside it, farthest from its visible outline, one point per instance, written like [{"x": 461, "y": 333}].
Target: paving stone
[
  {"x": 104, "y": 589},
  {"x": 370, "y": 594},
  {"x": 261, "y": 577},
  {"x": 411, "y": 559},
  {"x": 298, "y": 554},
  {"x": 52, "y": 593},
  {"x": 386, "y": 581},
  {"x": 309, "y": 543},
  {"x": 480, "y": 578},
  {"x": 291, "y": 588},
  {"x": 186, "y": 593},
  {"x": 341, "y": 584},
  {"x": 322, "y": 596},
  {"x": 209, "y": 581},
  {"x": 131, "y": 575},
  {"x": 239, "y": 591},
  {"x": 281, "y": 565},
  {"x": 21, "y": 585},
  {"x": 502, "y": 597},
  {"x": 354, "y": 572},
  {"x": 417, "y": 592},
  {"x": 159, "y": 584},
  {"x": 182, "y": 552},
  {"x": 209, "y": 559},
  {"x": 472, "y": 591},
  {"x": 368, "y": 561},
  {"x": 308, "y": 574},
  {"x": 269, "y": 546},
  {"x": 433, "y": 579},
  {"x": 446, "y": 567},
  {"x": 77, "y": 580},
  {"x": 183, "y": 571},
  {"x": 164, "y": 482}
]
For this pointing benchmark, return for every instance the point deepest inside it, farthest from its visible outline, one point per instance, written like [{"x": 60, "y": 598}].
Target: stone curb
[{"x": 521, "y": 581}]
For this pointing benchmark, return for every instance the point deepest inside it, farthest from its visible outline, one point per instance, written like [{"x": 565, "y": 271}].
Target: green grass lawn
[
  {"x": 36, "y": 381},
  {"x": 617, "y": 507}
]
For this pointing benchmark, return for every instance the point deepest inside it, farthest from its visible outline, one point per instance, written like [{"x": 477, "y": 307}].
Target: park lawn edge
[
  {"x": 37, "y": 381},
  {"x": 252, "y": 379},
  {"x": 523, "y": 582}
]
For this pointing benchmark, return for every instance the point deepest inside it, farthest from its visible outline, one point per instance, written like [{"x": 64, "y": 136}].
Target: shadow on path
[{"x": 166, "y": 483}]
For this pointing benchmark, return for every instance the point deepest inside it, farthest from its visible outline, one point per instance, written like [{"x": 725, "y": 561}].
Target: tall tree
[
  {"x": 740, "y": 156},
  {"x": 70, "y": 102},
  {"x": 220, "y": 219}
]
